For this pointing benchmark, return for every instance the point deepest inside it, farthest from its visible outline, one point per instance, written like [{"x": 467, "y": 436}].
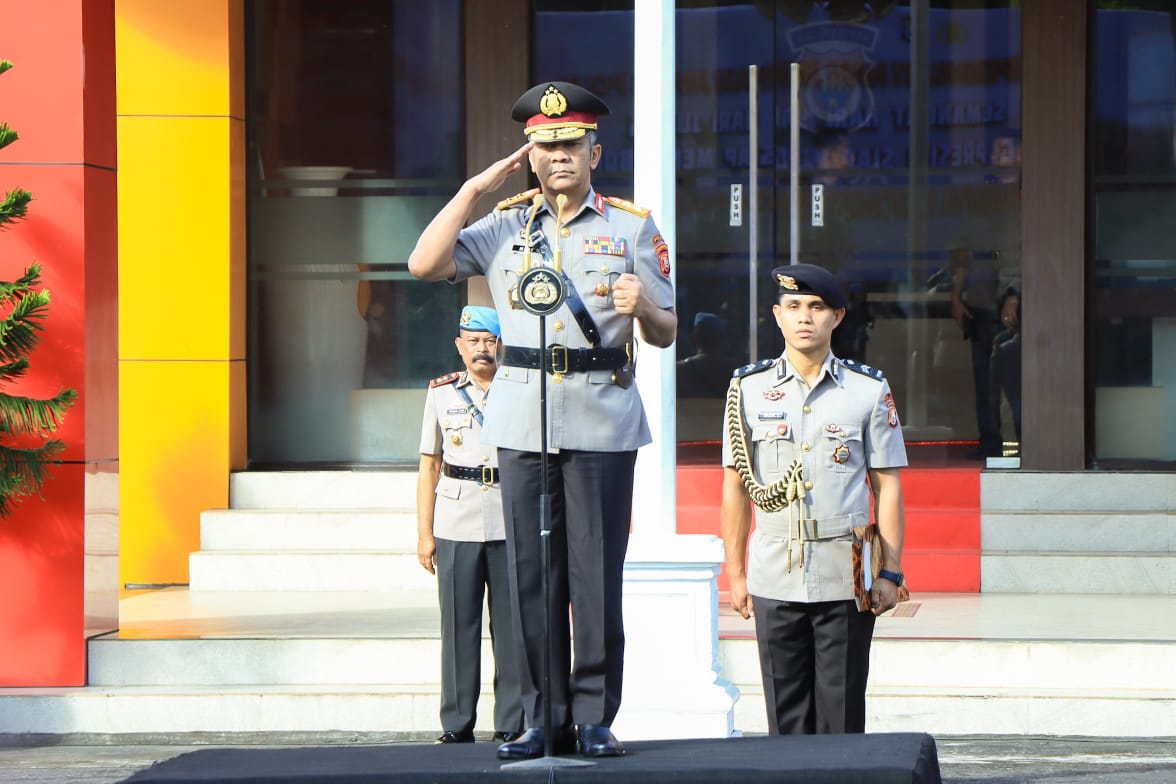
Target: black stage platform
[{"x": 907, "y": 758}]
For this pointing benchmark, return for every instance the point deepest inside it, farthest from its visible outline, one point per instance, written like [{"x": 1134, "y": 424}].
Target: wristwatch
[{"x": 894, "y": 577}]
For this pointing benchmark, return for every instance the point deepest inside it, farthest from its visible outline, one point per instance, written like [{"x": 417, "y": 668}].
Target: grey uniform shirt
[
  {"x": 586, "y": 411},
  {"x": 465, "y": 512},
  {"x": 839, "y": 429}
]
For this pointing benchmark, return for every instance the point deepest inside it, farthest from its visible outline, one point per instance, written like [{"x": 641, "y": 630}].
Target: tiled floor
[{"x": 178, "y": 613}]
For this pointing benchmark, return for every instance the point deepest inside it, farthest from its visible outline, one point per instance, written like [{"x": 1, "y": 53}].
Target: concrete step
[
  {"x": 270, "y": 530},
  {"x": 945, "y": 687},
  {"x": 1076, "y": 572},
  {"x": 229, "y": 570},
  {"x": 386, "y": 490},
  {"x": 1142, "y": 532}
]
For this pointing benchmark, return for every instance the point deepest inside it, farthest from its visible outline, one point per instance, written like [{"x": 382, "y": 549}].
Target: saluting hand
[
  {"x": 627, "y": 294},
  {"x": 494, "y": 175}
]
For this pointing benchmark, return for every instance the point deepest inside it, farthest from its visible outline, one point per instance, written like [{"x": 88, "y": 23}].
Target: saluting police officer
[
  {"x": 617, "y": 269},
  {"x": 808, "y": 438},
  {"x": 461, "y": 536}
]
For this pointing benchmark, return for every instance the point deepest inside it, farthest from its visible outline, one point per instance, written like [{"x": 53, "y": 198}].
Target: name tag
[
  {"x": 458, "y": 410},
  {"x": 771, "y": 416}
]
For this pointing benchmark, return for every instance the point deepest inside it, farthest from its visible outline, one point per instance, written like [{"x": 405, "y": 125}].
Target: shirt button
[
  {"x": 808, "y": 410},
  {"x": 805, "y": 446},
  {"x": 604, "y": 268},
  {"x": 485, "y": 458},
  {"x": 808, "y": 485},
  {"x": 558, "y": 325},
  {"x": 506, "y": 374},
  {"x": 565, "y": 232}
]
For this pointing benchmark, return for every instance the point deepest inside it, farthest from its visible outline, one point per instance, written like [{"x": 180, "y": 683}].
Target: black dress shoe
[
  {"x": 530, "y": 744},
  {"x": 597, "y": 740},
  {"x": 456, "y": 737},
  {"x": 506, "y": 737}
]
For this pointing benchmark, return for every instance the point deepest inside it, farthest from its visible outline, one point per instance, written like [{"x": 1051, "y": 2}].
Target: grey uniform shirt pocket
[
  {"x": 771, "y": 448},
  {"x": 844, "y": 448},
  {"x": 600, "y": 273},
  {"x": 448, "y": 487}
]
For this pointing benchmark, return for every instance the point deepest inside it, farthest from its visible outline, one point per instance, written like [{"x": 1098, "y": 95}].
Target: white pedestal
[{"x": 673, "y": 688}]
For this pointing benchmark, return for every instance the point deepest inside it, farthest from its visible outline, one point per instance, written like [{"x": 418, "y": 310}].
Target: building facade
[{"x": 273, "y": 161}]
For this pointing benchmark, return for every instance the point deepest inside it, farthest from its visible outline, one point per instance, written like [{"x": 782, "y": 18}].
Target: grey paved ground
[{"x": 1002, "y": 760}]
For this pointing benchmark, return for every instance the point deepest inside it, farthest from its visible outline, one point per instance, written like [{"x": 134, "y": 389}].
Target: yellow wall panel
[
  {"x": 180, "y": 255},
  {"x": 178, "y": 57},
  {"x": 175, "y": 460}
]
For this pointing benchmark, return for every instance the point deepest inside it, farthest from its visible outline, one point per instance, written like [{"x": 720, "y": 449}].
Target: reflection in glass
[
  {"x": 1133, "y": 330},
  {"x": 355, "y": 141},
  {"x": 910, "y": 204}
]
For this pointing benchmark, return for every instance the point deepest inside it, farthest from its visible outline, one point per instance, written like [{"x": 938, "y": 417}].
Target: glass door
[{"x": 907, "y": 132}]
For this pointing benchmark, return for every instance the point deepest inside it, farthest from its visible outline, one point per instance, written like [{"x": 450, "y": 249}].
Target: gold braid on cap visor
[{"x": 558, "y": 133}]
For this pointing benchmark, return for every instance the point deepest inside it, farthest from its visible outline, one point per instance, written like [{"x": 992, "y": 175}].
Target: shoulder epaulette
[
  {"x": 627, "y": 206},
  {"x": 754, "y": 367},
  {"x": 448, "y": 378},
  {"x": 865, "y": 370},
  {"x": 519, "y": 198}
]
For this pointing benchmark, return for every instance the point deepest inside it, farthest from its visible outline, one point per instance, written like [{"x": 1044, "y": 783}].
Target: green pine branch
[
  {"x": 23, "y": 472},
  {"x": 19, "y": 331},
  {"x": 15, "y": 206},
  {"x": 7, "y": 135},
  {"x": 26, "y": 415},
  {"x": 5, "y": 65}
]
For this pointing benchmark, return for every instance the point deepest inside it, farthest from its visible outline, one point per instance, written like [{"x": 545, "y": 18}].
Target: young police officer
[
  {"x": 617, "y": 270},
  {"x": 804, "y": 433},
  {"x": 460, "y": 536}
]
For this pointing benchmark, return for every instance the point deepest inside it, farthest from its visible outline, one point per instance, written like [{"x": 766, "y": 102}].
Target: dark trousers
[
  {"x": 981, "y": 332},
  {"x": 467, "y": 572},
  {"x": 591, "y": 505},
  {"x": 815, "y": 658}
]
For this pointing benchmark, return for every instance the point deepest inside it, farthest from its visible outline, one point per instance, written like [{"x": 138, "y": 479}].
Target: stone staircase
[
  {"x": 308, "y": 617},
  {"x": 313, "y": 531},
  {"x": 1091, "y": 533}
]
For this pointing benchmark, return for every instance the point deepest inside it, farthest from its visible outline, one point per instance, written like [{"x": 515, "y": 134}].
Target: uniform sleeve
[
  {"x": 648, "y": 266},
  {"x": 477, "y": 244},
  {"x": 885, "y": 447},
  {"x": 430, "y": 429}
]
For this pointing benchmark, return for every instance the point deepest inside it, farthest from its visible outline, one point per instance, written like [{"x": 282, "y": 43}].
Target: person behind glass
[
  {"x": 808, "y": 438},
  {"x": 705, "y": 372},
  {"x": 974, "y": 281},
  {"x": 460, "y": 536},
  {"x": 1005, "y": 362},
  {"x": 617, "y": 265}
]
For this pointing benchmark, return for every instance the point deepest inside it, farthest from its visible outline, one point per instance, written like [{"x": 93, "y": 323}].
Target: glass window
[
  {"x": 1133, "y": 326},
  {"x": 909, "y": 166},
  {"x": 356, "y": 139}
]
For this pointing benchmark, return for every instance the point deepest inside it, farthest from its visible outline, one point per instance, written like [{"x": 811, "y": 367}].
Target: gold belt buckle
[
  {"x": 555, "y": 353},
  {"x": 487, "y": 475}
]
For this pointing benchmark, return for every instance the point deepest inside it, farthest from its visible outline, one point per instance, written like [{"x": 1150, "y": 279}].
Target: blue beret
[
  {"x": 478, "y": 319},
  {"x": 809, "y": 279}
]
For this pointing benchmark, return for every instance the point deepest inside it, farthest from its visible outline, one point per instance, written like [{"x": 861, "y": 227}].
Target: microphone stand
[{"x": 540, "y": 293}]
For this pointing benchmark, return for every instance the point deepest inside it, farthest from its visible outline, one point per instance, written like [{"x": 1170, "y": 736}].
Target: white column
[{"x": 673, "y": 687}]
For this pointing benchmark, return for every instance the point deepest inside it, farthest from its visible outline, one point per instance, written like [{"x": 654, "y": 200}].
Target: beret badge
[{"x": 788, "y": 282}]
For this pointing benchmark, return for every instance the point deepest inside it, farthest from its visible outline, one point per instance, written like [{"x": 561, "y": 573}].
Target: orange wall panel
[{"x": 42, "y": 626}]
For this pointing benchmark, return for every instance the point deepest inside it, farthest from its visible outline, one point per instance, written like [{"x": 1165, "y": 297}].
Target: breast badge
[
  {"x": 841, "y": 455},
  {"x": 773, "y": 393},
  {"x": 456, "y": 439}
]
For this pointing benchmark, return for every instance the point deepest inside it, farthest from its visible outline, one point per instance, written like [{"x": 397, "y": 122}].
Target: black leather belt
[
  {"x": 483, "y": 475},
  {"x": 561, "y": 359}
]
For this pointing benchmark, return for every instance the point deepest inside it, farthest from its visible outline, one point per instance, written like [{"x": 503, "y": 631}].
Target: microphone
[
  {"x": 536, "y": 203},
  {"x": 561, "y": 201}
]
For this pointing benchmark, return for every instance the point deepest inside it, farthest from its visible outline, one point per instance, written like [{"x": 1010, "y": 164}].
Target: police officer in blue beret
[
  {"x": 808, "y": 439},
  {"x": 617, "y": 268},
  {"x": 461, "y": 536}
]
